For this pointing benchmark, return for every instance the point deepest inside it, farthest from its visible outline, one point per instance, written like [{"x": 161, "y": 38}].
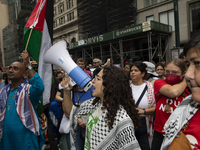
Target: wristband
[
  {"x": 144, "y": 111},
  {"x": 29, "y": 67}
]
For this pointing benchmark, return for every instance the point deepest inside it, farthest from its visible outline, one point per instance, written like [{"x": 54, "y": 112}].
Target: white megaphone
[{"x": 59, "y": 56}]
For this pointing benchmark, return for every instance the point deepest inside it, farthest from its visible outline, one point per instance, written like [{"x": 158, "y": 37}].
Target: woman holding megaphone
[{"x": 111, "y": 116}]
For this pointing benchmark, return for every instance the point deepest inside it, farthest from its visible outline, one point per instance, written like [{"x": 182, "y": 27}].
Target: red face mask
[{"x": 172, "y": 79}]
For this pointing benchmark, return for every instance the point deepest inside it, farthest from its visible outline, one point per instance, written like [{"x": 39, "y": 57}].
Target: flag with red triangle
[{"x": 40, "y": 40}]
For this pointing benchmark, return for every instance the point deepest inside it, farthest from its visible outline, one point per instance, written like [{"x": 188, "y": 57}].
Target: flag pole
[{"x": 32, "y": 27}]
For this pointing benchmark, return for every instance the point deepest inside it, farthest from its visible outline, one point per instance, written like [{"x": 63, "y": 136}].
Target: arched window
[{"x": 73, "y": 40}]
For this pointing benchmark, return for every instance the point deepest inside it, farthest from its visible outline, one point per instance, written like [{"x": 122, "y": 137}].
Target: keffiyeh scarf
[
  {"x": 182, "y": 114},
  {"x": 149, "y": 118},
  {"x": 23, "y": 105},
  {"x": 121, "y": 136}
]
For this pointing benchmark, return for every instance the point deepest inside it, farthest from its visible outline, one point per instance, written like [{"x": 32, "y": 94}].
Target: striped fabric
[{"x": 23, "y": 105}]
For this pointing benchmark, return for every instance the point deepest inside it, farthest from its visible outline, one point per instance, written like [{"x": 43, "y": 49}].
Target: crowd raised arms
[{"x": 136, "y": 107}]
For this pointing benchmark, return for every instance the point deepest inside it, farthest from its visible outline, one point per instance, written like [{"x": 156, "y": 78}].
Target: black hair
[
  {"x": 159, "y": 64},
  {"x": 117, "y": 92},
  {"x": 58, "y": 72},
  {"x": 193, "y": 42},
  {"x": 141, "y": 66}
]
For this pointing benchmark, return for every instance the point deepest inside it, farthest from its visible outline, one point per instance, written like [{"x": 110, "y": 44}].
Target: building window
[
  {"x": 62, "y": 20},
  {"x": 149, "y": 18},
  {"x": 194, "y": 17},
  {"x": 69, "y": 3},
  {"x": 67, "y": 17},
  {"x": 149, "y": 2},
  {"x": 54, "y": 23},
  {"x": 61, "y": 8},
  {"x": 73, "y": 40},
  {"x": 146, "y": 3},
  {"x": 54, "y": 12},
  {"x": 167, "y": 18},
  {"x": 153, "y": 2},
  {"x": 72, "y": 15}
]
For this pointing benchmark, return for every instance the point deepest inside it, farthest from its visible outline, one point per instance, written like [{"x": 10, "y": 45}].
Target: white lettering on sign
[
  {"x": 128, "y": 30},
  {"x": 93, "y": 39}
]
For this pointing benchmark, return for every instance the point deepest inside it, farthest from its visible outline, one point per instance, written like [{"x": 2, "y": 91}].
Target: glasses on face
[
  {"x": 96, "y": 62},
  {"x": 172, "y": 72},
  {"x": 98, "y": 78}
]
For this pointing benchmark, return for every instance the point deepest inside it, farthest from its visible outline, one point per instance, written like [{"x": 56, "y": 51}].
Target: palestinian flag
[{"x": 41, "y": 24}]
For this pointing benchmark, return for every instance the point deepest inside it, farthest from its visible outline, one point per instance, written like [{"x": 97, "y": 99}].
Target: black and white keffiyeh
[
  {"x": 182, "y": 114},
  {"x": 121, "y": 136}
]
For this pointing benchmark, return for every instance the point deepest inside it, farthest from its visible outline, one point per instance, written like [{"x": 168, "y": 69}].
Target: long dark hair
[{"x": 117, "y": 92}]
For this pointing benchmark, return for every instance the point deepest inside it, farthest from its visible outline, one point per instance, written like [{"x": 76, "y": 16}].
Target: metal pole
[
  {"x": 92, "y": 53},
  {"x": 121, "y": 53},
  {"x": 111, "y": 57},
  {"x": 176, "y": 20},
  {"x": 150, "y": 46},
  {"x": 101, "y": 52},
  {"x": 160, "y": 48}
]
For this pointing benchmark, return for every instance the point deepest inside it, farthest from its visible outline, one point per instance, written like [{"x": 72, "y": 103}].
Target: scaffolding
[
  {"x": 149, "y": 39},
  {"x": 97, "y": 17}
]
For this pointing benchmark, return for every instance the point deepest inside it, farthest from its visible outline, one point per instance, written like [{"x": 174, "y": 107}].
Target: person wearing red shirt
[
  {"x": 188, "y": 112},
  {"x": 169, "y": 94}
]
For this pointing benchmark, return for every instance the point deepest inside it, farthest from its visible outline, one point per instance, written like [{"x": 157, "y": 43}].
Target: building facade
[
  {"x": 151, "y": 43},
  {"x": 96, "y": 18},
  {"x": 163, "y": 11},
  {"x": 17, "y": 15},
  {"x": 65, "y": 21},
  {"x": 4, "y": 20}
]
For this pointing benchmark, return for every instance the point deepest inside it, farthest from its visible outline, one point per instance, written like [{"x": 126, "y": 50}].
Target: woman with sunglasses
[
  {"x": 112, "y": 116},
  {"x": 169, "y": 94}
]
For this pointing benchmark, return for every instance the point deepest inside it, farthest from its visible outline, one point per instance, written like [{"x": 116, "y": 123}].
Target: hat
[{"x": 150, "y": 68}]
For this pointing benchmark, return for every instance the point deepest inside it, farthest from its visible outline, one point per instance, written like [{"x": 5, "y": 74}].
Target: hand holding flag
[{"x": 38, "y": 33}]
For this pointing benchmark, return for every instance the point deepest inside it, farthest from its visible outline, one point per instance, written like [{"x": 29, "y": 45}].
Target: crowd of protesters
[{"x": 145, "y": 105}]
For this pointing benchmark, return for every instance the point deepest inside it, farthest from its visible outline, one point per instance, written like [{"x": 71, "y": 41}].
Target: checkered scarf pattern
[
  {"x": 151, "y": 103},
  {"x": 182, "y": 114},
  {"x": 121, "y": 136},
  {"x": 23, "y": 105}
]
